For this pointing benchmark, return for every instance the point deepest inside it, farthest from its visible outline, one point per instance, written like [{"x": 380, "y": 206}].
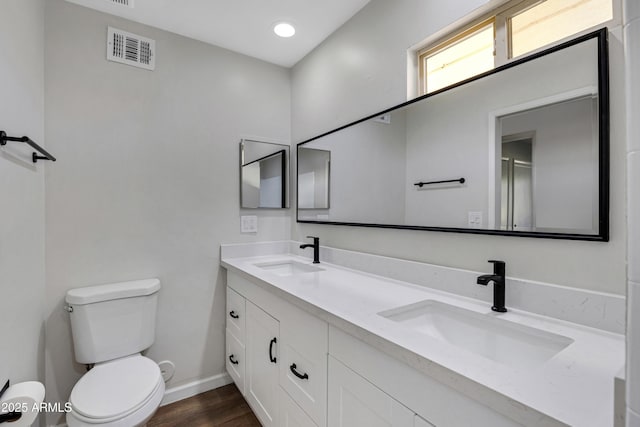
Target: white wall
[
  {"x": 22, "y": 285},
  {"x": 361, "y": 69},
  {"x": 147, "y": 180},
  {"x": 632, "y": 52}
]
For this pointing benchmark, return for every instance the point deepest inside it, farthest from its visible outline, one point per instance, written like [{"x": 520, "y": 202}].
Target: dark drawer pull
[
  {"x": 232, "y": 360},
  {"x": 233, "y": 314},
  {"x": 271, "y": 357},
  {"x": 298, "y": 374}
]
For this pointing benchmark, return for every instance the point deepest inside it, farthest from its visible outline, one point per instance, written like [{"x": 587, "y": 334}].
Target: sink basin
[
  {"x": 288, "y": 267},
  {"x": 486, "y": 335}
]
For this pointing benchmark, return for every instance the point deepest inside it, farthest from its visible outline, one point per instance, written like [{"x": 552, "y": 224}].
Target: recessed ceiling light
[{"x": 284, "y": 29}]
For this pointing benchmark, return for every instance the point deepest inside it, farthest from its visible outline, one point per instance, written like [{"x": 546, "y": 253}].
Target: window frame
[{"x": 501, "y": 17}]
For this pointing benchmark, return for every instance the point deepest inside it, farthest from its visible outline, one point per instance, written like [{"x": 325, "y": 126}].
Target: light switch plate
[
  {"x": 248, "y": 224},
  {"x": 475, "y": 219}
]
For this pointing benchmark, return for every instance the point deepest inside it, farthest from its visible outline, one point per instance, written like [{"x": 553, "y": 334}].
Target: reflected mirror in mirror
[
  {"x": 521, "y": 150},
  {"x": 264, "y": 175},
  {"x": 314, "y": 171}
]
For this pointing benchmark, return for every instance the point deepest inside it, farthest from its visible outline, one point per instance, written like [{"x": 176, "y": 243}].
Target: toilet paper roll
[{"x": 23, "y": 397}]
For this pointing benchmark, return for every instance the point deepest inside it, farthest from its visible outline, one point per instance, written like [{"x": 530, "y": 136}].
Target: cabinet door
[
  {"x": 262, "y": 334},
  {"x": 355, "y": 402},
  {"x": 291, "y": 415}
]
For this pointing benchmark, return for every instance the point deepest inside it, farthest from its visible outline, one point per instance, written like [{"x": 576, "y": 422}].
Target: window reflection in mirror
[{"x": 263, "y": 175}]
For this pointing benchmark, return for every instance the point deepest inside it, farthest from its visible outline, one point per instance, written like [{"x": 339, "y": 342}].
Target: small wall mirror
[
  {"x": 521, "y": 150},
  {"x": 264, "y": 175}
]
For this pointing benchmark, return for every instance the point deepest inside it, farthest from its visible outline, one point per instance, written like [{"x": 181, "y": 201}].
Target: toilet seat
[{"x": 117, "y": 389}]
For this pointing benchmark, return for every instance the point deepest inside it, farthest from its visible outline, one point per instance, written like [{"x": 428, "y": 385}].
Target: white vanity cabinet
[
  {"x": 283, "y": 355},
  {"x": 299, "y": 371},
  {"x": 355, "y": 402}
]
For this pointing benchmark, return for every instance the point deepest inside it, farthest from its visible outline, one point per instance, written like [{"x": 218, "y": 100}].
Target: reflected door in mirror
[
  {"x": 314, "y": 175},
  {"x": 549, "y": 166}
]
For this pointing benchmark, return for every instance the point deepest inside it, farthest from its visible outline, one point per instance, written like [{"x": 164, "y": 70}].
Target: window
[
  {"x": 553, "y": 20},
  {"x": 517, "y": 28},
  {"x": 468, "y": 54}
]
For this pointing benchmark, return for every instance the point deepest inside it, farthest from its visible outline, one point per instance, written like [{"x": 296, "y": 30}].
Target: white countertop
[{"x": 574, "y": 387}]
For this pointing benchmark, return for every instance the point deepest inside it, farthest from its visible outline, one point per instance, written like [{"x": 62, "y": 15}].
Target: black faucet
[
  {"x": 498, "y": 285},
  {"x": 316, "y": 248}
]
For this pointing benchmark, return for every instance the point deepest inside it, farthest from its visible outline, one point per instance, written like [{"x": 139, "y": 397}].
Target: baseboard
[{"x": 184, "y": 391}]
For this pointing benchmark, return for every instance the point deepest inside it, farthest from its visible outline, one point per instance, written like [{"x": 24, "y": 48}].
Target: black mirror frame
[
  {"x": 284, "y": 199},
  {"x": 603, "y": 148}
]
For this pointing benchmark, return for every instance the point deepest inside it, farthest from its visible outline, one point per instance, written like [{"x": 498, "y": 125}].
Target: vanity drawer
[
  {"x": 235, "y": 360},
  {"x": 236, "y": 314},
  {"x": 303, "y": 371}
]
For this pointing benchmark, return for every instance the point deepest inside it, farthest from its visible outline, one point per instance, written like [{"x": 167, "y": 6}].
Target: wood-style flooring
[{"x": 222, "y": 407}]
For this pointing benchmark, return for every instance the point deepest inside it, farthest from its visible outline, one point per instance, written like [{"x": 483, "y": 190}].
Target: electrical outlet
[
  {"x": 248, "y": 224},
  {"x": 475, "y": 219}
]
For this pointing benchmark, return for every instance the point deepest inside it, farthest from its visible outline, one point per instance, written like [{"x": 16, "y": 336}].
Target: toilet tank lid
[{"x": 100, "y": 293}]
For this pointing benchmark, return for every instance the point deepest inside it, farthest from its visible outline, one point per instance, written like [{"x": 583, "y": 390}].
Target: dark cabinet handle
[
  {"x": 271, "y": 358},
  {"x": 233, "y": 314},
  {"x": 298, "y": 374},
  {"x": 232, "y": 360}
]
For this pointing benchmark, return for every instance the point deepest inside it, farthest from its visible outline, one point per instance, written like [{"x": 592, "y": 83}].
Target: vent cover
[
  {"x": 128, "y": 3},
  {"x": 131, "y": 49}
]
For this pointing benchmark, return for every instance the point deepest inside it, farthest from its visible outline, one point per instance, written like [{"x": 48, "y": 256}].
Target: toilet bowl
[
  {"x": 120, "y": 393},
  {"x": 111, "y": 325}
]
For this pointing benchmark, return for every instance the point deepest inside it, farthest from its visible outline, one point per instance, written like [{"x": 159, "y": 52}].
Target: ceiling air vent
[
  {"x": 131, "y": 49},
  {"x": 128, "y": 3}
]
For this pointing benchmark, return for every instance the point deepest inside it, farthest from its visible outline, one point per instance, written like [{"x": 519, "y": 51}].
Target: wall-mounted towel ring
[{"x": 46, "y": 156}]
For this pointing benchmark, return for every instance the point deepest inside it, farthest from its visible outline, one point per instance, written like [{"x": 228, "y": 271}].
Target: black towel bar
[
  {"x": 420, "y": 184},
  {"x": 46, "y": 156}
]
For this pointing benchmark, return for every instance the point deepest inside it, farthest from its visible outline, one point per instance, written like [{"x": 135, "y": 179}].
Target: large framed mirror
[
  {"x": 522, "y": 150},
  {"x": 264, "y": 175}
]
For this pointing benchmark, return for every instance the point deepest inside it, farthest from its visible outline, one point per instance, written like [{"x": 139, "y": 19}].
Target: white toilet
[{"x": 111, "y": 325}]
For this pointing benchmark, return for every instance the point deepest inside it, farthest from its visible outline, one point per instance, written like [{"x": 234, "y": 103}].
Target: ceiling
[{"x": 244, "y": 26}]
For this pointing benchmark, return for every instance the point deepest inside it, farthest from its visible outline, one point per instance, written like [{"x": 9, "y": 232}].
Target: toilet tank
[{"x": 114, "y": 320}]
